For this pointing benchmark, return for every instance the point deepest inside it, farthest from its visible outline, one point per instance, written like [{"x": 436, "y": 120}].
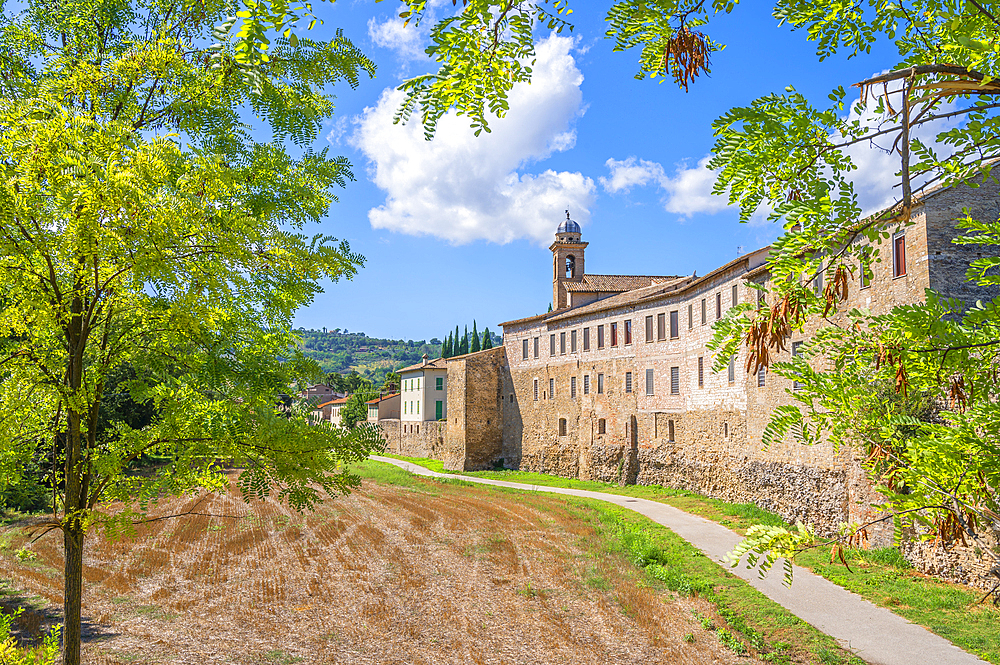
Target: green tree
[
  {"x": 355, "y": 409},
  {"x": 446, "y": 347},
  {"x": 456, "y": 344},
  {"x": 487, "y": 339},
  {"x": 142, "y": 225},
  {"x": 475, "y": 338},
  {"x": 391, "y": 382},
  {"x": 464, "y": 344},
  {"x": 915, "y": 389}
]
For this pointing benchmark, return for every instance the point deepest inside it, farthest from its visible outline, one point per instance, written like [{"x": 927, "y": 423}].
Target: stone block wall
[
  {"x": 414, "y": 439},
  {"x": 476, "y": 389}
]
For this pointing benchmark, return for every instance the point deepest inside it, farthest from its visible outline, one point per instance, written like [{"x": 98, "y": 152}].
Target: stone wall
[
  {"x": 477, "y": 385},
  {"x": 414, "y": 439}
]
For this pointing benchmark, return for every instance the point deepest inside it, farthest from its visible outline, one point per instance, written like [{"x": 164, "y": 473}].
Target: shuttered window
[
  {"x": 586, "y": 339},
  {"x": 796, "y": 385},
  {"x": 628, "y": 382},
  {"x": 600, "y": 384},
  {"x": 586, "y": 384},
  {"x": 732, "y": 369},
  {"x": 675, "y": 380},
  {"x": 552, "y": 344},
  {"x": 661, "y": 326},
  {"x": 649, "y": 382},
  {"x": 600, "y": 336},
  {"x": 572, "y": 341},
  {"x": 649, "y": 328},
  {"x": 536, "y": 347},
  {"x": 536, "y": 390},
  {"x": 701, "y": 371},
  {"x": 899, "y": 255},
  {"x": 562, "y": 343},
  {"x": 675, "y": 331},
  {"x": 552, "y": 388},
  {"x": 572, "y": 387},
  {"x": 524, "y": 350},
  {"x": 702, "y": 311},
  {"x": 690, "y": 317}
]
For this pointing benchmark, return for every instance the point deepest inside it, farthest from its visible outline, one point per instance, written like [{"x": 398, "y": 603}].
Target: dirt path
[{"x": 425, "y": 574}]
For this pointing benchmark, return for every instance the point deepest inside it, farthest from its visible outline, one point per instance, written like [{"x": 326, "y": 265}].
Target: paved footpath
[{"x": 873, "y": 633}]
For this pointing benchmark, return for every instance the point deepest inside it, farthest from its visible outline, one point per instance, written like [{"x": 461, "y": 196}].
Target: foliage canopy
[{"x": 144, "y": 224}]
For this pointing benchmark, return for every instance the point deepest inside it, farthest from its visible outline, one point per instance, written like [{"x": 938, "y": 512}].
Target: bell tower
[{"x": 567, "y": 261}]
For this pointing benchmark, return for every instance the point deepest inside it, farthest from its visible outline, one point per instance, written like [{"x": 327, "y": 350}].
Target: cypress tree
[
  {"x": 487, "y": 339},
  {"x": 456, "y": 345},
  {"x": 465, "y": 341},
  {"x": 475, "y": 338},
  {"x": 446, "y": 347}
]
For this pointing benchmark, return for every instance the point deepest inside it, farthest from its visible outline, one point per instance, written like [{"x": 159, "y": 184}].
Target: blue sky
[{"x": 458, "y": 229}]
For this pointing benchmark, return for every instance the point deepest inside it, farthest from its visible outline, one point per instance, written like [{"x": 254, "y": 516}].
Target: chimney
[{"x": 425, "y": 358}]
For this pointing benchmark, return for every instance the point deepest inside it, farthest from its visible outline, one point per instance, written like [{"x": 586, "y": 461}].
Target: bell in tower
[{"x": 567, "y": 261}]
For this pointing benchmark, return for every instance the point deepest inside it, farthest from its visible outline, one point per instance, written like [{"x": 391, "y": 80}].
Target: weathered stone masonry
[{"x": 616, "y": 384}]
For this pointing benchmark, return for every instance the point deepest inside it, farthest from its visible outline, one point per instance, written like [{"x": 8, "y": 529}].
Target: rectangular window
[
  {"x": 536, "y": 347},
  {"x": 628, "y": 331},
  {"x": 701, "y": 371},
  {"x": 439, "y": 383},
  {"x": 818, "y": 281},
  {"x": 865, "y": 276},
  {"x": 732, "y": 370},
  {"x": 649, "y": 328},
  {"x": 675, "y": 326},
  {"x": 628, "y": 382},
  {"x": 690, "y": 316},
  {"x": 586, "y": 384},
  {"x": 796, "y": 385},
  {"x": 536, "y": 389},
  {"x": 736, "y": 295},
  {"x": 552, "y": 344},
  {"x": 586, "y": 339},
  {"x": 418, "y": 408},
  {"x": 572, "y": 387},
  {"x": 601, "y": 426},
  {"x": 552, "y": 388},
  {"x": 562, "y": 343},
  {"x": 572, "y": 341},
  {"x": 649, "y": 382},
  {"x": 670, "y": 430},
  {"x": 718, "y": 306},
  {"x": 661, "y": 326},
  {"x": 524, "y": 350},
  {"x": 600, "y": 384},
  {"x": 614, "y": 334},
  {"x": 675, "y": 380},
  {"x": 702, "y": 311},
  {"x": 562, "y": 427},
  {"x": 600, "y": 336},
  {"x": 899, "y": 255},
  {"x": 761, "y": 377},
  {"x": 438, "y": 410}
]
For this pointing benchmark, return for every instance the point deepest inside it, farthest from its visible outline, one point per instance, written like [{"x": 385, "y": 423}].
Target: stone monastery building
[{"x": 615, "y": 383}]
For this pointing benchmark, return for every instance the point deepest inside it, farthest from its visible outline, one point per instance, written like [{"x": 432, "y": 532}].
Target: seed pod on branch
[{"x": 686, "y": 56}]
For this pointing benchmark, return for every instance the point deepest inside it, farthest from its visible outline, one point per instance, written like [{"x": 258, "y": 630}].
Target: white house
[{"x": 424, "y": 391}]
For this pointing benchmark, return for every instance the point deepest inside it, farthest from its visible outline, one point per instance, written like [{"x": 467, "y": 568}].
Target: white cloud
[
  {"x": 687, "y": 192},
  {"x": 406, "y": 41},
  {"x": 464, "y": 188}
]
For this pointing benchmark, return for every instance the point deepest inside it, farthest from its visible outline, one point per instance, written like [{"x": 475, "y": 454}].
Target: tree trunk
[{"x": 73, "y": 591}]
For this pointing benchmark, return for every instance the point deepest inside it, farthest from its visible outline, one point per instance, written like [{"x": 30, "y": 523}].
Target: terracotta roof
[
  {"x": 656, "y": 291},
  {"x": 334, "y": 401},
  {"x": 437, "y": 363},
  {"x": 615, "y": 283},
  {"x": 527, "y": 319},
  {"x": 382, "y": 399}
]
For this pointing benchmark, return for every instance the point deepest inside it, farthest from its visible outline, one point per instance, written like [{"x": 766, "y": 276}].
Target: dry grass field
[{"x": 416, "y": 573}]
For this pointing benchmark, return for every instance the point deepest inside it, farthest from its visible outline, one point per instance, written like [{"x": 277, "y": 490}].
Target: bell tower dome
[{"x": 567, "y": 261}]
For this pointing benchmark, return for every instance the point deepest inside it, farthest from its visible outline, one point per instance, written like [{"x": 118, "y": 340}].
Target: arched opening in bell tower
[{"x": 570, "y": 266}]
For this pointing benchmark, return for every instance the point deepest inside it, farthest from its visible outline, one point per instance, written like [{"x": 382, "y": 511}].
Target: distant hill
[{"x": 343, "y": 352}]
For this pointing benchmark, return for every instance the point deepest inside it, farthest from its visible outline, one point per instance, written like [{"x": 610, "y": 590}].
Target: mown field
[{"x": 405, "y": 570}]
